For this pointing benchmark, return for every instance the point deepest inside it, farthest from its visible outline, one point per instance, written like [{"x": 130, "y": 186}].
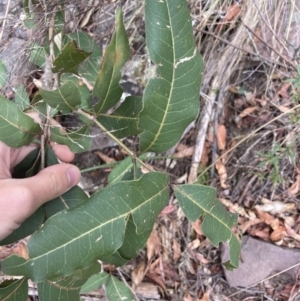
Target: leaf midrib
[{"x": 172, "y": 84}]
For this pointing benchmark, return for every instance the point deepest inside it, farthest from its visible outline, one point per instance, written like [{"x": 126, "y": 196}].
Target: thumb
[
  {"x": 50, "y": 183},
  {"x": 21, "y": 197}
]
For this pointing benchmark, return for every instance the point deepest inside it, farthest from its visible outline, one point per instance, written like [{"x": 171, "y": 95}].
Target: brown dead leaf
[
  {"x": 188, "y": 151},
  {"x": 283, "y": 109},
  {"x": 206, "y": 296},
  {"x": 205, "y": 154},
  {"x": 284, "y": 90},
  {"x": 201, "y": 258},
  {"x": 294, "y": 189},
  {"x": 157, "y": 278},
  {"x": 153, "y": 244},
  {"x": 233, "y": 12},
  {"x": 221, "y": 136},
  {"x": 248, "y": 111},
  {"x": 105, "y": 158},
  {"x": 194, "y": 244},
  {"x": 279, "y": 233},
  {"x": 167, "y": 210},
  {"x": 197, "y": 227},
  {"x": 263, "y": 233},
  {"x": 222, "y": 173},
  {"x": 138, "y": 274},
  {"x": 176, "y": 250},
  {"x": 275, "y": 207},
  {"x": 187, "y": 297}
]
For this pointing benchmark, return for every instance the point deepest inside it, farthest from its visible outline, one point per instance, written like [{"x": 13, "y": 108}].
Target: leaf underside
[{"x": 171, "y": 101}]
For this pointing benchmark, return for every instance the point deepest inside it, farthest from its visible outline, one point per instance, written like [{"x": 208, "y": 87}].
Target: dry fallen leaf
[
  {"x": 222, "y": 173},
  {"x": 284, "y": 90},
  {"x": 187, "y": 297},
  {"x": 176, "y": 250},
  {"x": 188, "y": 151},
  {"x": 105, "y": 158},
  {"x": 153, "y": 244},
  {"x": 138, "y": 274},
  {"x": 221, "y": 137},
  {"x": 275, "y": 207},
  {"x": 294, "y": 189},
  {"x": 206, "y": 296},
  {"x": 248, "y": 111}
]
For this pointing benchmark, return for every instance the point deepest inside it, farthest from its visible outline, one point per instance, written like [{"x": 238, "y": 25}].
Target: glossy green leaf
[
  {"x": 16, "y": 128},
  {"x": 78, "y": 141},
  {"x": 117, "y": 290},
  {"x": 21, "y": 98},
  {"x": 70, "y": 199},
  {"x": 123, "y": 121},
  {"x": 94, "y": 282},
  {"x": 171, "y": 100},
  {"x": 90, "y": 67},
  {"x": 91, "y": 230},
  {"x": 16, "y": 290},
  {"x": 3, "y": 74},
  {"x": 64, "y": 99},
  {"x": 107, "y": 89},
  {"x": 69, "y": 59},
  {"x": 66, "y": 289},
  {"x": 201, "y": 201}
]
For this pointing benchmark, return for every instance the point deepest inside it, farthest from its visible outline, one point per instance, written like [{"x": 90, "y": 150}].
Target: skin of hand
[{"x": 20, "y": 198}]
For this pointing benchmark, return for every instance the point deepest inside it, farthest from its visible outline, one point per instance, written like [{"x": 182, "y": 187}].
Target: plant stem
[{"x": 118, "y": 141}]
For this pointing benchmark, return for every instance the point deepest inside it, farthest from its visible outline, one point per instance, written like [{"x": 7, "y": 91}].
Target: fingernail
[{"x": 73, "y": 174}]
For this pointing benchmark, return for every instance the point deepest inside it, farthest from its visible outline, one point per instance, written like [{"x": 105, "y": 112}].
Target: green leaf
[
  {"x": 117, "y": 290},
  {"x": 66, "y": 288},
  {"x": 37, "y": 55},
  {"x": 3, "y": 74},
  {"x": 78, "y": 141},
  {"x": 16, "y": 128},
  {"x": 91, "y": 230},
  {"x": 171, "y": 100},
  {"x": 21, "y": 98},
  {"x": 122, "y": 169},
  {"x": 16, "y": 290},
  {"x": 70, "y": 199},
  {"x": 201, "y": 201},
  {"x": 123, "y": 121},
  {"x": 69, "y": 59},
  {"x": 65, "y": 99},
  {"x": 131, "y": 246},
  {"x": 20, "y": 171},
  {"x": 29, "y": 226},
  {"x": 84, "y": 91},
  {"x": 107, "y": 88},
  {"x": 90, "y": 67},
  {"x": 94, "y": 282}
]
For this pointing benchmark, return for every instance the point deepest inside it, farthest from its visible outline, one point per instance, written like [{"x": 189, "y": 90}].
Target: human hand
[{"x": 20, "y": 198}]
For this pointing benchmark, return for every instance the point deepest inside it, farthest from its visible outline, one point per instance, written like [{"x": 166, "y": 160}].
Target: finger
[{"x": 62, "y": 152}]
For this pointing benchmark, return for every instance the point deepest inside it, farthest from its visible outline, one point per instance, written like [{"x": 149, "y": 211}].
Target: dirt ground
[{"x": 246, "y": 136}]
